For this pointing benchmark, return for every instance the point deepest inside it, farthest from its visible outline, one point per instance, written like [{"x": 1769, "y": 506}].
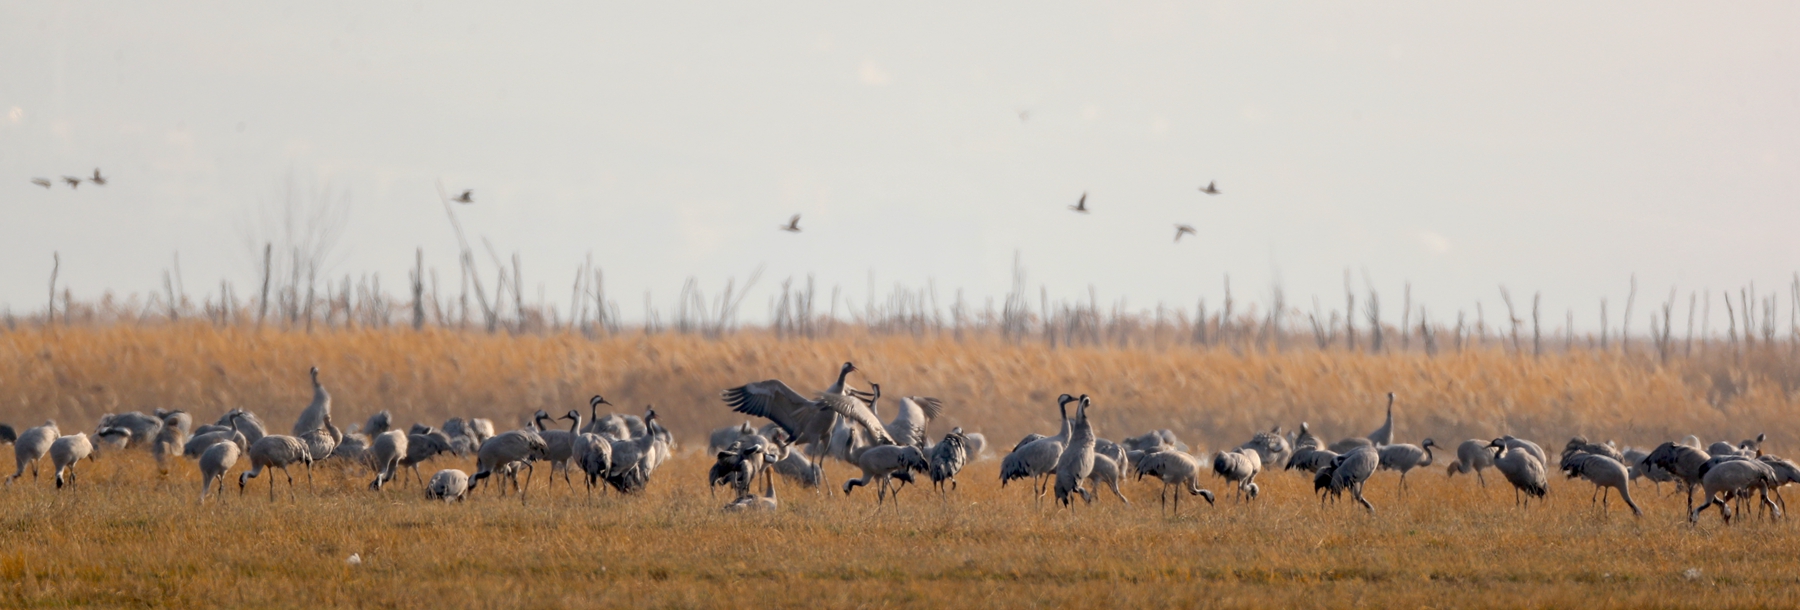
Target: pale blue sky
[{"x": 1547, "y": 146}]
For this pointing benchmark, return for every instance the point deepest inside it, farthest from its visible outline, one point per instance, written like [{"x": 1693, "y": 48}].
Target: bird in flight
[
  {"x": 467, "y": 196},
  {"x": 1081, "y": 204},
  {"x": 98, "y": 179},
  {"x": 73, "y": 181},
  {"x": 1211, "y": 188},
  {"x": 43, "y": 182},
  {"x": 793, "y": 225},
  {"x": 1184, "y": 230}
]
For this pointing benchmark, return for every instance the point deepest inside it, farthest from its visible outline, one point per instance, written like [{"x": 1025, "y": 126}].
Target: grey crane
[
  {"x": 948, "y": 458},
  {"x": 1731, "y": 478},
  {"x": 1309, "y": 454},
  {"x": 764, "y": 503},
  {"x": 248, "y": 424},
  {"x": 908, "y": 425},
  {"x": 385, "y": 453},
  {"x": 806, "y": 421},
  {"x": 724, "y": 437},
  {"x": 797, "y": 468},
  {"x": 1106, "y": 472},
  {"x": 634, "y": 460},
  {"x": 1404, "y": 457},
  {"x": 1604, "y": 472},
  {"x": 1635, "y": 463},
  {"x": 593, "y": 454},
  {"x": 1037, "y": 458},
  {"x": 1580, "y": 444},
  {"x": 884, "y": 463},
  {"x": 1381, "y": 436},
  {"x": 1785, "y": 472},
  {"x": 1305, "y": 438},
  {"x": 353, "y": 447},
  {"x": 199, "y": 443},
  {"x": 171, "y": 437},
  {"x": 752, "y": 457},
  {"x": 1077, "y": 459},
  {"x": 215, "y": 461},
  {"x": 31, "y": 446},
  {"x": 1522, "y": 469},
  {"x": 726, "y": 466},
  {"x": 466, "y": 436},
  {"x": 277, "y": 451},
  {"x": 1683, "y": 462},
  {"x": 1152, "y": 439},
  {"x": 503, "y": 450},
  {"x": 1385, "y": 434},
  {"x": 313, "y": 417},
  {"x": 421, "y": 446},
  {"x": 977, "y": 445},
  {"x": 1351, "y": 470},
  {"x": 65, "y": 452},
  {"x": 1175, "y": 469},
  {"x": 1238, "y": 467},
  {"x": 1529, "y": 447},
  {"x": 449, "y": 485},
  {"x": 559, "y": 444},
  {"x": 612, "y": 426},
  {"x": 380, "y": 422},
  {"x": 594, "y": 423},
  {"x": 1753, "y": 445},
  {"x": 320, "y": 443},
  {"x": 138, "y": 429},
  {"x": 1270, "y": 446},
  {"x": 1311, "y": 459},
  {"x": 1472, "y": 457}
]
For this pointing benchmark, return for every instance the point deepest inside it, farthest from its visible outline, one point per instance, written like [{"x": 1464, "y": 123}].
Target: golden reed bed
[{"x": 128, "y": 535}]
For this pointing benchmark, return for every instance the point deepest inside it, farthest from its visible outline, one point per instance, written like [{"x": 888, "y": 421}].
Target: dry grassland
[{"x": 130, "y": 536}]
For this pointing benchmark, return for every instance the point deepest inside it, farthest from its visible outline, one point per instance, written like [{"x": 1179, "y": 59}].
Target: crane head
[
  {"x": 1064, "y": 399},
  {"x": 597, "y": 400}
]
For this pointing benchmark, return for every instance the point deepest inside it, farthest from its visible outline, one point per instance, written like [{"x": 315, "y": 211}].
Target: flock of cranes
[
  {"x": 844, "y": 423},
  {"x": 617, "y": 450},
  {"x": 72, "y": 181}
]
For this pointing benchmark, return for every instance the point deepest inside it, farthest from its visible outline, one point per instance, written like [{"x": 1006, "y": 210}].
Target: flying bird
[
  {"x": 793, "y": 225},
  {"x": 73, "y": 181},
  {"x": 1184, "y": 230},
  {"x": 467, "y": 196},
  {"x": 1212, "y": 188},
  {"x": 98, "y": 179},
  {"x": 1081, "y": 204},
  {"x": 43, "y": 182}
]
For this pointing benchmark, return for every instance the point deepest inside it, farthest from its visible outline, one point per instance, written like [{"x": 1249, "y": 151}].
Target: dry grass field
[{"x": 127, "y": 535}]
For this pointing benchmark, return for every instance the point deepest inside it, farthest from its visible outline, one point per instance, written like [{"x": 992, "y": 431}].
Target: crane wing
[
  {"x": 931, "y": 406},
  {"x": 775, "y": 401},
  {"x": 857, "y": 411}
]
